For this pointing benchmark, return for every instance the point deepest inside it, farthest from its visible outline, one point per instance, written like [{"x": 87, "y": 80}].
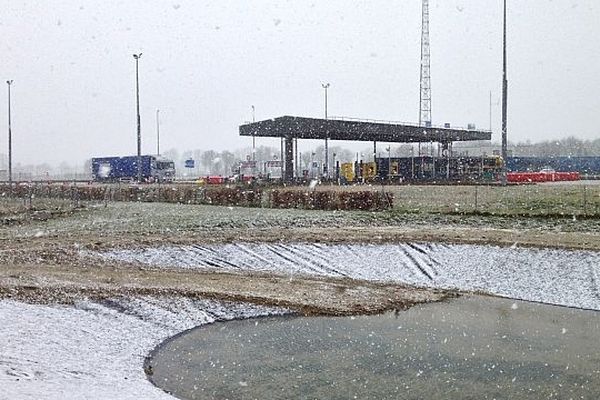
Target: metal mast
[
  {"x": 139, "y": 131},
  {"x": 504, "y": 97},
  {"x": 9, "y": 83},
  {"x": 326, "y": 169},
  {"x": 425, "y": 80},
  {"x": 157, "y": 134}
]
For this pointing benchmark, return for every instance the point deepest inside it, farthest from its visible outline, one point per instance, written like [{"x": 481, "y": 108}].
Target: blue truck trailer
[{"x": 116, "y": 169}]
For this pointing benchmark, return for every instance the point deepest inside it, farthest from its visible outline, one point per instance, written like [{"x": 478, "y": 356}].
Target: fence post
[{"x": 476, "y": 197}]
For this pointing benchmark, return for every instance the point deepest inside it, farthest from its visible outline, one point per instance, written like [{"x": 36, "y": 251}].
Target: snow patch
[
  {"x": 561, "y": 277},
  {"x": 95, "y": 350}
]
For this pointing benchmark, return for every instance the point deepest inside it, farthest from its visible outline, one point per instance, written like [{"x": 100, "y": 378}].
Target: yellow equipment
[
  {"x": 347, "y": 171},
  {"x": 369, "y": 171}
]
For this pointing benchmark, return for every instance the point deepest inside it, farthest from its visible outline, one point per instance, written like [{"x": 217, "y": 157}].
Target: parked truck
[{"x": 115, "y": 169}]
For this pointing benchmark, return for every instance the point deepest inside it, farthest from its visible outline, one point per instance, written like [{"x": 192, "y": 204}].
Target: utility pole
[
  {"x": 253, "y": 137},
  {"x": 281, "y": 157},
  {"x": 297, "y": 174},
  {"x": 139, "y": 129},
  {"x": 490, "y": 110},
  {"x": 335, "y": 169},
  {"x": 157, "y": 134},
  {"x": 9, "y": 83},
  {"x": 326, "y": 171},
  {"x": 389, "y": 150},
  {"x": 504, "y": 100}
]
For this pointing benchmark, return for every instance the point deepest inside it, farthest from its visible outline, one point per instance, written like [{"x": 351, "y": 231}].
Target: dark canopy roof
[{"x": 343, "y": 129}]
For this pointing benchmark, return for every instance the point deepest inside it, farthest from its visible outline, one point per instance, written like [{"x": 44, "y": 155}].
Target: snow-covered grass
[
  {"x": 96, "y": 350},
  {"x": 561, "y": 277},
  {"x": 568, "y": 198},
  {"x": 117, "y": 219},
  {"x": 99, "y": 223}
]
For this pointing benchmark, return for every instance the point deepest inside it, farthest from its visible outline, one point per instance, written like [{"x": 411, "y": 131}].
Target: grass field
[
  {"x": 578, "y": 198},
  {"x": 572, "y": 207}
]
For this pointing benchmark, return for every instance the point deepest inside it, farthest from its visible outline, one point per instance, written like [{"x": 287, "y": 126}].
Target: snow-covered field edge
[{"x": 96, "y": 350}]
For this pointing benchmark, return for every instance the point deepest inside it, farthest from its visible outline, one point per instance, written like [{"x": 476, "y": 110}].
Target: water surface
[{"x": 469, "y": 348}]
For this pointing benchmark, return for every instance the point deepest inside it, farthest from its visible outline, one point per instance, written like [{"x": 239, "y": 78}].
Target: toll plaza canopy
[
  {"x": 357, "y": 130},
  {"x": 292, "y": 128}
]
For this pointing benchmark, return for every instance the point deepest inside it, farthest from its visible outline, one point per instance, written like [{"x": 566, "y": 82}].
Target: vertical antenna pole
[
  {"x": 490, "y": 110},
  {"x": 9, "y": 83},
  {"x": 504, "y": 100},
  {"x": 139, "y": 131},
  {"x": 253, "y": 137},
  {"x": 157, "y": 134},
  {"x": 326, "y": 169}
]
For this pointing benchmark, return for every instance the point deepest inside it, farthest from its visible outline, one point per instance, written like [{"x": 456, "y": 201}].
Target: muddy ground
[{"x": 43, "y": 254}]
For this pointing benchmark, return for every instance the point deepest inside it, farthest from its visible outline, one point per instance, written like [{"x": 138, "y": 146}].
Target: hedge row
[
  {"x": 232, "y": 197},
  {"x": 102, "y": 193},
  {"x": 319, "y": 200},
  {"x": 332, "y": 200}
]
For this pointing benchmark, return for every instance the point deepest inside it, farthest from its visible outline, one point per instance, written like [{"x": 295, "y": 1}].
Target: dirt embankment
[
  {"x": 65, "y": 284},
  {"x": 41, "y": 260}
]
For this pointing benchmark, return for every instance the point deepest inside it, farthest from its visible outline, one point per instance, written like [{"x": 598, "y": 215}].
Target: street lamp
[
  {"x": 9, "y": 83},
  {"x": 389, "y": 150},
  {"x": 335, "y": 170},
  {"x": 412, "y": 162},
  {"x": 253, "y": 137},
  {"x": 139, "y": 129},
  {"x": 157, "y": 134},
  {"x": 504, "y": 99},
  {"x": 326, "y": 171}
]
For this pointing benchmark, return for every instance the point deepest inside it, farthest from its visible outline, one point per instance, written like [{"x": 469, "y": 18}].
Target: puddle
[{"x": 472, "y": 347}]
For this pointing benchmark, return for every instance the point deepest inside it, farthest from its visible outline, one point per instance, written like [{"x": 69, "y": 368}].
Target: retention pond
[{"x": 473, "y": 347}]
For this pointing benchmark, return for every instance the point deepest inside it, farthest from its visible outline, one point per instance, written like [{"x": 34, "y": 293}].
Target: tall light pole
[
  {"x": 335, "y": 170},
  {"x": 490, "y": 111},
  {"x": 139, "y": 129},
  {"x": 157, "y": 134},
  {"x": 9, "y": 83},
  {"x": 389, "y": 150},
  {"x": 504, "y": 100},
  {"x": 326, "y": 171},
  {"x": 253, "y": 137}
]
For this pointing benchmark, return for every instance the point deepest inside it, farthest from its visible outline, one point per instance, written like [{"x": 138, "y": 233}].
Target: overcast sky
[{"x": 205, "y": 63}]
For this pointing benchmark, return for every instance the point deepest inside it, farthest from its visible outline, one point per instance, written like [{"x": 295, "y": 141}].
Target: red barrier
[
  {"x": 528, "y": 177},
  {"x": 215, "y": 180}
]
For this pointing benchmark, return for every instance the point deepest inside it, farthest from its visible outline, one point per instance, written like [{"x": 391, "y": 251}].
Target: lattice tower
[{"x": 425, "y": 84}]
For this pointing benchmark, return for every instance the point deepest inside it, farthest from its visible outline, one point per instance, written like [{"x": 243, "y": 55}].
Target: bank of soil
[
  {"x": 65, "y": 284},
  {"x": 42, "y": 259}
]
